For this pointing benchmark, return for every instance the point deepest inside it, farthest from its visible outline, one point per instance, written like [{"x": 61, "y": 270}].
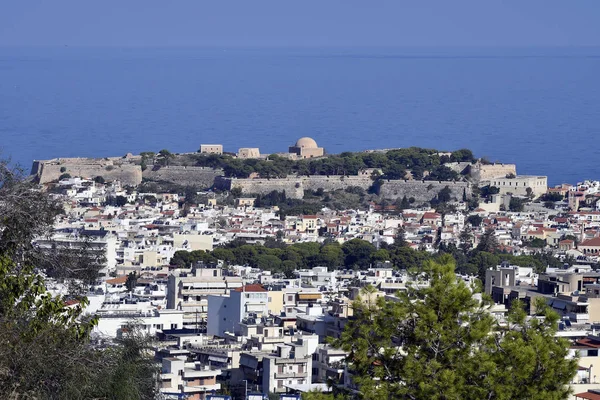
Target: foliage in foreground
[
  {"x": 441, "y": 343},
  {"x": 46, "y": 351}
]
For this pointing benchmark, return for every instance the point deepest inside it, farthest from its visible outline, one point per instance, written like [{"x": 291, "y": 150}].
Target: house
[
  {"x": 225, "y": 313},
  {"x": 192, "y": 381},
  {"x": 211, "y": 148},
  {"x": 590, "y": 247}
]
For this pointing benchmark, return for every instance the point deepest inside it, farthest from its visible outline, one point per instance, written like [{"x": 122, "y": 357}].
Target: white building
[
  {"x": 518, "y": 185},
  {"x": 114, "y": 317},
  {"x": 226, "y": 312},
  {"x": 191, "y": 381},
  {"x": 189, "y": 291}
]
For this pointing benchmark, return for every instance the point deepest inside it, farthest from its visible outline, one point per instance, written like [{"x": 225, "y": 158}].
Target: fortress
[
  {"x": 123, "y": 169},
  {"x": 128, "y": 170},
  {"x": 294, "y": 186}
]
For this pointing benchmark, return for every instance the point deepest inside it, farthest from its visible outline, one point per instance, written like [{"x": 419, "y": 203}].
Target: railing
[
  {"x": 578, "y": 317},
  {"x": 280, "y": 375}
]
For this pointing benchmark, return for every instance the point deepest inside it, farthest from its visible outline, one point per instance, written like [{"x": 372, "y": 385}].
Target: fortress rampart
[
  {"x": 110, "y": 169},
  {"x": 485, "y": 172},
  {"x": 202, "y": 177},
  {"x": 294, "y": 187}
]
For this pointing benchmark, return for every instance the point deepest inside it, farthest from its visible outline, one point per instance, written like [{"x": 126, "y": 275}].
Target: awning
[
  {"x": 217, "y": 359},
  {"x": 559, "y": 305},
  {"x": 309, "y": 296}
]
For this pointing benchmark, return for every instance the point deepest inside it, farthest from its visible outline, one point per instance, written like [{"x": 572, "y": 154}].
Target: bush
[{"x": 64, "y": 176}]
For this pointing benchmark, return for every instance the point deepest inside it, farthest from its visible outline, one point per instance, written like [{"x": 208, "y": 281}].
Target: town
[{"x": 241, "y": 278}]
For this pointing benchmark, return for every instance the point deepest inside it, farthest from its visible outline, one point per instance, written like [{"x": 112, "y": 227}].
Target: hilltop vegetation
[{"x": 393, "y": 163}]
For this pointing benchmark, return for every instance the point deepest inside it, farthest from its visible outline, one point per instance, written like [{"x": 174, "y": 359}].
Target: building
[
  {"x": 590, "y": 247},
  {"x": 226, "y": 312},
  {"x": 518, "y": 185},
  {"x": 192, "y": 241},
  {"x": 112, "y": 318},
  {"x": 98, "y": 244},
  {"x": 306, "y": 148},
  {"x": 189, "y": 291},
  {"x": 211, "y": 148},
  {"x": 289, "y": 364},
  {"x": 248, "y": 152},
  {"x": 192, "y": 381}
]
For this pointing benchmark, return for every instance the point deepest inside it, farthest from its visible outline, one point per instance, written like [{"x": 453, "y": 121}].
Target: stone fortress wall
[
  {"x": 122, "y": 169},
  {"x": 294, "y": 187},
  {"x": 203, "y": 177},
  {"x": 485, "y": 172},
  {"x": 424, "y": 191}
]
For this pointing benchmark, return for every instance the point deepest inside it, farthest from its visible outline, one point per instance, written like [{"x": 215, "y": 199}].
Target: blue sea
[{"x": 536, "y": 107}]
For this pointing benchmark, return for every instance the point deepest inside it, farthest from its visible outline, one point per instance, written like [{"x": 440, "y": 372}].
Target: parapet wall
[
  {"x": 186, "y": 176},
  {"x": 422, "y": 191}
]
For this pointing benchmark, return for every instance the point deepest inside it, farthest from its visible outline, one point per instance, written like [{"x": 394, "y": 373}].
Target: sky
[{"x": 300, "y": 23}]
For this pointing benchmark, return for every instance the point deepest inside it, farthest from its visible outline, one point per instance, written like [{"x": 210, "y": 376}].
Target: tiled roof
[{"x": 251, "y": 288}]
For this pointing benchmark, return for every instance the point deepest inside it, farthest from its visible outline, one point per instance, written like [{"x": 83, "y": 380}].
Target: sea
[{"x": 536, "y": 107}]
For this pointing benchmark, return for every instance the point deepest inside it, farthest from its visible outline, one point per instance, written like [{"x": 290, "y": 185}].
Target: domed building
[{"x": 306, "y": 147}]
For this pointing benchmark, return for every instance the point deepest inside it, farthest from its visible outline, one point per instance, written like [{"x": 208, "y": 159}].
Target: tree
[
  {"x": 357, "y": 252},
  {"x": 488, "y": 242},
  {"x": 131, "y": 281},
  {"x": 445, "y": 195},
  {"x": 403, "y": 204},
  {"x": 474, "y": 220},
  {"x": 45, "y": 338},
  {"x": 516, "y": 204},
  {"x": 164, "y": 157},
  {"x": 440, "y": 342},
  {"x": 530, "y": 194}
]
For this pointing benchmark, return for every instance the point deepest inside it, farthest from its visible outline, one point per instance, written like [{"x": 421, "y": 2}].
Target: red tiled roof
[
  {"x": 431, "y": 216},
  {"x": 588, "y": 396},
  {"x": 251, "y": 288},
  {"x": 117, "y": 281},
  {"x": 591, "y": 242},
  {"x": 589, "y": 343}
]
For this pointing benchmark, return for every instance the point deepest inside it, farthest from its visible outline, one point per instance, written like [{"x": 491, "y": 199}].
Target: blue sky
[{"x": 300, "y": 22}]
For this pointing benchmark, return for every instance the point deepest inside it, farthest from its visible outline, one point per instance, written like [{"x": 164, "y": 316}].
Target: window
[{"x": 279, "y": 383}]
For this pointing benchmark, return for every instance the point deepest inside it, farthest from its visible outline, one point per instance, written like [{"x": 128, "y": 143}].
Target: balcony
[
  {"x": 201, "y": 388},
  {"x": 281, "y": 375},
  {"x": 578, "y": 317}
]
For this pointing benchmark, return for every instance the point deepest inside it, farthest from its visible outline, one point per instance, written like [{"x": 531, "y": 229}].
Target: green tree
[
  {"x": 357, "y": 252},
  {"x": 164, "y": 157},
  {"x": 516, "y": 204},
  {"x": 440, "y": 342},
  {"x": 488, "y": 242},
  {"x": 131, "y": 281},
  {"x": 45, "y": 338}
]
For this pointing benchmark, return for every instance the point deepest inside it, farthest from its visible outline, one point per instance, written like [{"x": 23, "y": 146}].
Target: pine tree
[{"x": 440, "y": 342}]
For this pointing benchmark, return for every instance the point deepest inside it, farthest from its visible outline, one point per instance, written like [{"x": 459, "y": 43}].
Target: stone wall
[
  {"x": 422, "y": 191},
  {"x": 186, "y": 176},
  {"x": 48, "y": 171},
  {"x": 485, "y": 172}
]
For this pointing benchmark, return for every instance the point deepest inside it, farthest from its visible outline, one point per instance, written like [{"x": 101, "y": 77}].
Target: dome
[{"x": 307, "y": 143}]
